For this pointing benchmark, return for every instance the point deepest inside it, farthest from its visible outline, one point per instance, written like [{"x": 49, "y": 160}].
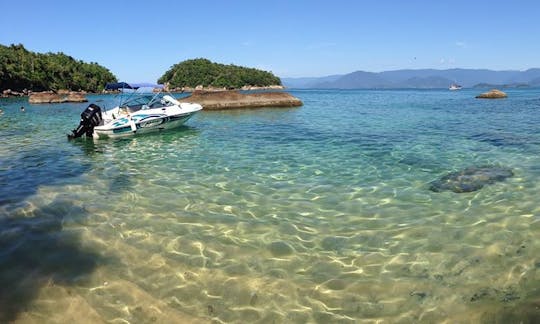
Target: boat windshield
[
  {"x": 138, "y": 101},
  {"x": 145, "y": 102}
]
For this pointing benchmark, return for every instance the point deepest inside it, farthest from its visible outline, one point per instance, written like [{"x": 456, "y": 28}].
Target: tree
[
  {"x": 191, "y": 73},
  {"x": 22, "y": 69}
]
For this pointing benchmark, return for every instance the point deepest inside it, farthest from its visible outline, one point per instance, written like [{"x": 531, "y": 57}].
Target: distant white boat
[{"x": 455, "y": 86}]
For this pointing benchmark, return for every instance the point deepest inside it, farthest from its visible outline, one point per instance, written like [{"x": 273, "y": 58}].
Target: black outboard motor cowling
[{"x": 90, "y": 118}]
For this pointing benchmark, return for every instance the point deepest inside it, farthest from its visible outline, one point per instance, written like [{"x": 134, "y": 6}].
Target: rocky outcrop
[
  {"x": 10, "y": 93},
  {"x": 76, "y": 97},
  {"x": 470, "y": 179},
  {"x": 56, "y": 97},
  {"x": 235, "y": 99},
  {"x": 270, "y": 87},
  {"x": 492, "y": 94}
]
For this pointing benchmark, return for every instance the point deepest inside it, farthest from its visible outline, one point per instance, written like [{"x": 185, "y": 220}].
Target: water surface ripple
[{"x": 320, "y": 214}]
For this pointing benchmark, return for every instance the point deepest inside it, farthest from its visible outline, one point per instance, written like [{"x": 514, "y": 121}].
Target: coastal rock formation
[
  {"x": 56, "y": 97},
  {"x": 492, "y": 94},
  {"x": 270, "y": 87},
  {"x": 470, "y": 179},
  {"x": 235, "y": 99},
  {"x": 10, "y": 93}
]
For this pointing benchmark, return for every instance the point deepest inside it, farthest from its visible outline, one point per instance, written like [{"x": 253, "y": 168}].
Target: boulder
[
  {"x": 53, "y": 97},
  {"x": 10, "y": 93},
  {"x": 216, "y": 100},
  {"x": 470, "y": 179},
  {"x": 45, "y": 97},
  {"x": 76, "y": 97},
  {"x": 492, "y": 94}
]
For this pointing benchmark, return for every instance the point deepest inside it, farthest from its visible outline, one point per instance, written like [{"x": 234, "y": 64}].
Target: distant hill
[
  {"x": 22, "y": 69},
  {"x": 504, "y": 86},
  {"x": 308, "y": 82},
  {"x": 195, "y": 72},
  {"x": 358, "y": 79},
  {"x": 535, "y": 82},
  {"x": 423, "y": 78}
]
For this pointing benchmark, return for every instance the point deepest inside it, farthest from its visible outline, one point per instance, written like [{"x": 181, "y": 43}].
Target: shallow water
[{"x": 315, "y": 214}]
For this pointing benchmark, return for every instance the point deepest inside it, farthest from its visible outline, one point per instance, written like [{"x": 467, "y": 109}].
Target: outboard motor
[{"x": 90, "y": 118}]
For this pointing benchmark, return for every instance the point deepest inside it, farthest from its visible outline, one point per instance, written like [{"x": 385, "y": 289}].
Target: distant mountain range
[{"x": 421, "y": 79}]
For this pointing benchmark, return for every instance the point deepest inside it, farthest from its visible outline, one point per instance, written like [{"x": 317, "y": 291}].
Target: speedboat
[
  {"x": 455, "y": 86},
  {"x": 144, "y": 113}
]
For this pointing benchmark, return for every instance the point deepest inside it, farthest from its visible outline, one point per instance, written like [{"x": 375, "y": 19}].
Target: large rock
[
  {"x": 56, "y": 97},
  {"x": 76, "y": 97},
  {"x": 470, "y": 179},
  {"x": 492, "y": 94},
  {"x": 234, "y": 99},
  {"x": 10, "y": 93}
]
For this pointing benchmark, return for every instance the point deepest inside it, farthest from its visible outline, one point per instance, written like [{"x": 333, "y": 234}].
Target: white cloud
[{"x": 461, "y": 44}]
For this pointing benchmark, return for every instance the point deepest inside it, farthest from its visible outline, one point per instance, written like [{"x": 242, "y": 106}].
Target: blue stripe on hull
[{"x": 155, "y": 125}]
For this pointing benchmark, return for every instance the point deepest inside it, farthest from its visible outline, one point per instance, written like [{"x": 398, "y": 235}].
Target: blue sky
[{"x": 139, "y": 40}]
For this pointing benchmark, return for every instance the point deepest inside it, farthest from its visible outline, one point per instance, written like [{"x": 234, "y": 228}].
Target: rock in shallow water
[
  {"x": 492, "y": 94},
  {"x": 60, "y": 97},
  {"x": 470, "y": 179},
  {"x": 280, "y": 248},
  {"x": 235, "y": 99}
]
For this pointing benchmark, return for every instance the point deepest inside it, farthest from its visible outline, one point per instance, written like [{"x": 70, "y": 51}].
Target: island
[
  {"x": 24, "y": 72},
  {"x": 58, "y": 78},
  {"x": 217, "y": 86},
  {"x": 232, "y": 99},
  {"x": 200, "y": 73}
]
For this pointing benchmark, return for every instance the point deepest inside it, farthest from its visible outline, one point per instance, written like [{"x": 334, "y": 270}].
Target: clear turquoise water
[{"x": 315, "y": 214}]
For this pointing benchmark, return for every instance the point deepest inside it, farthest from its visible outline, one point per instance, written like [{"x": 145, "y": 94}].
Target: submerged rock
[
  {"x": 333, "y": 243},
  {"x": 280, "y": 248},
  {"x": 470, "y": 179},
  {"x": 492, "y": 94}
]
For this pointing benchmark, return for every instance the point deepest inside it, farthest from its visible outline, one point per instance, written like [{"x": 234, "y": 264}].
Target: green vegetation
[
  {"x": 192, "y": 73},
  {"x": 22, "y": 69}
]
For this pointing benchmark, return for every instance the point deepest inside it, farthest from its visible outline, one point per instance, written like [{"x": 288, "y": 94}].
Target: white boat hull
[
  {"x": 144, "y": 121},
  {"x": 140, "y": 115}
]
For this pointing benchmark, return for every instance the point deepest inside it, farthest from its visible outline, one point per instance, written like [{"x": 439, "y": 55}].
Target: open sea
[{"x": 318, "y": 214}]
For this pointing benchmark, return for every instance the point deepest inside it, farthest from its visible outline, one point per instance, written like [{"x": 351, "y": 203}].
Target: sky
[{"x": 138, "y": 41}]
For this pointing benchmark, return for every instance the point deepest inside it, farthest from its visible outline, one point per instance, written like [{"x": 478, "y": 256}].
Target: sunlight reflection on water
[{"x": 314, "y": 214}]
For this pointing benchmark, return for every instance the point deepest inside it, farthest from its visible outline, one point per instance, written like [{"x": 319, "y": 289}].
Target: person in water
[{"x": 22, "y": 108}]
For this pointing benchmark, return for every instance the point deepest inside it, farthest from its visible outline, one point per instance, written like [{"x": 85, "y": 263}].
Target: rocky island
[
  {"x": 216, "y": 86},
  {"x": 217, "y": 100},
  {"x": 204, "y": 74}
]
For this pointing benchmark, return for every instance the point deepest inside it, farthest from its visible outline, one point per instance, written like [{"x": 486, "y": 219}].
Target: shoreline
[{"x": 8, "y": 93}]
